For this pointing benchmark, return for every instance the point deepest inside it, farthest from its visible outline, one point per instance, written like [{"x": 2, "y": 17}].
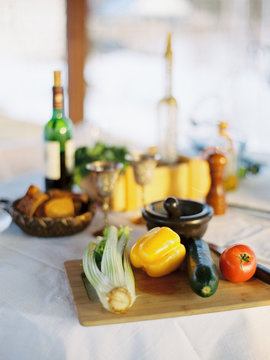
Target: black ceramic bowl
[{"x": 187, "y": 218}]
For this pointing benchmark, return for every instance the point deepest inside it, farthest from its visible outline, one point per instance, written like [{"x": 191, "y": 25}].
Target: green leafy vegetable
[{"x": 100, "y": 151}]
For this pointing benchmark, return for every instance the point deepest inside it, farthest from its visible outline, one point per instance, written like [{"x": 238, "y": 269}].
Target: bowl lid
[{"x": 178, "y": 210}]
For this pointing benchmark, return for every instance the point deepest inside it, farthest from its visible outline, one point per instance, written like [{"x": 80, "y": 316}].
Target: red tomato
[{"x": 238, "y": 263}]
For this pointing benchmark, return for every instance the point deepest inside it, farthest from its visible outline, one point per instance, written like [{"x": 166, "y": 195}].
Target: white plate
[{"x": 5, "y": 220}]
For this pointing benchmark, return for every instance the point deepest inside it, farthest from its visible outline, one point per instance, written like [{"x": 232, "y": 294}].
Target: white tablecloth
[{"x": 38, "y": 318}]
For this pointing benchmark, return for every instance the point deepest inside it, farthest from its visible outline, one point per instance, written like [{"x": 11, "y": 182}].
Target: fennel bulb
[{"x": 106, "y": 266}]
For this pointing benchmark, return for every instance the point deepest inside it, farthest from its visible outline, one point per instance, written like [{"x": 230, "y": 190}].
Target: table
[{"x": 37, "y": 314}]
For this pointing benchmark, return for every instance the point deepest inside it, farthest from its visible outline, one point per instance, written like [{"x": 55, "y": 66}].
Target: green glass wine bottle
[{"x": 59, "y": 147}]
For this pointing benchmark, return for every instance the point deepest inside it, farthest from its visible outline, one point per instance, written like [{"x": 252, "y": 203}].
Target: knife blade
[
  {"x": 264, "y": 212},
  {"x": 262, "y": 272}
]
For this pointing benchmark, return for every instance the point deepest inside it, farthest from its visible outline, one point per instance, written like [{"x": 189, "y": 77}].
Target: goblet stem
[
  {"x": 106, "y": 210},
  {"x": 140, "y": 220},
  {"x": 143, "y": 196}
]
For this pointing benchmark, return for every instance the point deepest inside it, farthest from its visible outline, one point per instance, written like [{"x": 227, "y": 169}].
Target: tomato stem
[{"x": 244, "y": 258}]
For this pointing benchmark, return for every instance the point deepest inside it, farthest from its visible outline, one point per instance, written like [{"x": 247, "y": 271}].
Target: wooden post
[{"x": 76, "y": 52}]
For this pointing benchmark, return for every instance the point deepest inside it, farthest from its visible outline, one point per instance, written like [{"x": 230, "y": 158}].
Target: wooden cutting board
[{"x": 164, "y": 297}]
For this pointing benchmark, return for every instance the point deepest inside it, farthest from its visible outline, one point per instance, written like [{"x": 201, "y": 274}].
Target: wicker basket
[{"x": 51, "y": 227}]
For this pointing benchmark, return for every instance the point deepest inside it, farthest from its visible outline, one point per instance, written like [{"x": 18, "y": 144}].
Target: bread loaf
[
  {"x": 55, "y": 203},
  {"x": 57, "y": 193},
  {"x": 31, "y": 201},
  {"x": 59, "y": 207}
]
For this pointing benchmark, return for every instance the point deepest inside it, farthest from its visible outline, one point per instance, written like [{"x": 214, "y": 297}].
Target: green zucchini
[{"x": 201, "y": 269}]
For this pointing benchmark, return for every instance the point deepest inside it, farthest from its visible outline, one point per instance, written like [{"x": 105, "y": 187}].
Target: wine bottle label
[
  {"x": 52, "y": 160},
  {"x": 69, "y": 155}
]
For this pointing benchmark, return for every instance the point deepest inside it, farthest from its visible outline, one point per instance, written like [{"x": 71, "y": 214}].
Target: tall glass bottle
[
  {"x": 59, "y": 148},
  {"x": 230, "y": 176},
  {"x": 168, "y": 115}
]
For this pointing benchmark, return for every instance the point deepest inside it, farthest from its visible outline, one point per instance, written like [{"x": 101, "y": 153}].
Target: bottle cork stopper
[{"x": 57, "y": 78}]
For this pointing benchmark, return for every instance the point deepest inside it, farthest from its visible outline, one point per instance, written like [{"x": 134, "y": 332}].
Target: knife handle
[{"x": 262, "y": 273}]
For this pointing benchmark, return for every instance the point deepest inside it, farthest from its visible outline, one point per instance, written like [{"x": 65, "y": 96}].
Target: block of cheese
[
  {"x": 179, "y": 186},
  {"x": 199, "y": 179},
  {"x": 188, "y": 179},
  {"x": 133, "y": 191},
  {"x": 118, "y": 201}
]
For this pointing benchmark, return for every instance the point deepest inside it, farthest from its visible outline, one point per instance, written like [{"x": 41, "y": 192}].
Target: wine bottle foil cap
[{"x": 57, "y": 78}]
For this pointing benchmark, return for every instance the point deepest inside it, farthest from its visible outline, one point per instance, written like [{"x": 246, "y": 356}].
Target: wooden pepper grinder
[{"x": 216, "y": 194}]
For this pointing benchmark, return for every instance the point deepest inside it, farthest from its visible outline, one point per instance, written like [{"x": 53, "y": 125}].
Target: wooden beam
[{"x": 76, "y": 53}]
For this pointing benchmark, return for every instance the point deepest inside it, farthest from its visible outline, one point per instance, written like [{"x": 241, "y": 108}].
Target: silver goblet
[
  {"x": 104, "y": 175},
  {"x": 143, "y": 165}
]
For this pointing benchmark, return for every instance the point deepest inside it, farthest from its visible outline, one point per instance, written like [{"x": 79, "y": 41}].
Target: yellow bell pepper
[{"x": 158, "y": 252}]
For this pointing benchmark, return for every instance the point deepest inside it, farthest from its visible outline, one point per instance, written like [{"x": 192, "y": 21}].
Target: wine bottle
[
  {"x": 59, "y": 147},
  {"x": 168, "y": 115}
]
